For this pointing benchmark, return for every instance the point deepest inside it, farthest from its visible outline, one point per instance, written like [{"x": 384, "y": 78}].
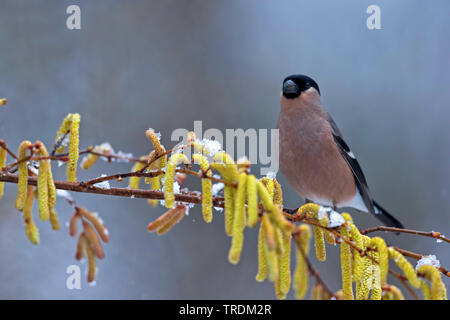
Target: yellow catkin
[
  {"x": 347, "y": 217},
  {"x": 434, "y": 276},
  {"x": 73, "y": 227},
  {"x": 239, "y": 221},
  {"x": 2, "y": 165},
  {"x": 262, "y": 259},
  {"x": 346, "y": 266},
  {"x": 199, "y": 147},
  {"x": 270, "y": 186},
  {"x": 329, "y": 237},
  {"x": 279, "y": 241},
  {"x": 243, "y": 164},
  {"x": 91, "y": 260},
  {"x": 162, "y": 160},
  {"x": 91, "y": 158},
  {"x": 228, "y": 169},
  {"x": 387, "y": 296},
  {"x": 376, "y": 292},
  {"x": 252, "y": 201},
  {"x": 42, "y": 183},
  {"x": 30, "y": 228},
  {"x": 365, "y": 284},
  {"x": 357, "y": 259},
  {"x": 157, "y": 159},
  {"x": 311, "y": 210},
  {"x": 381, "y": 247},
  {"x": 174, "y": 160},
  {"x": 269, "y": 233},
  {"x": 228, "y": 193},
  {"x": 206, "y": 187},
  {"x": 405, "y": 266},
  {"x": 134, "y": 181},
  {"x": 284, "y": 276},
  {"x": 94, "y": 220},
  {"x": 207, "y": 200},
  {"x": 89, "y": 161},
  {"x": 275, "y": 213},
  {"x": 63, "y": 129},
  {"x": 230, "y": 165},
  {"x": 272, "y": 263},
  {"x": 54, "y": 221},
  {"x": 79, "y": 254},
  {"x": 172, "y": 222},
  {"x": 93, "y": 240},
  {"x": 308, "y": 209},
  {"x": 155, "y": 182},
  {"x": 376, "y": 273},
  {"x": 23, "y": 175},
  {"x": 277, "y": 286},
  {"x": 319, "y": 243},
  {"x": 73, "y": 148},
  {"x": 444, "y": 291},
  {"x": 154, "y": 138},
  {"x": 302, "y": 238},
  {"x": 166, "y": 218},
  {"x": 152, "y": 164},
  {"x": 395, "y": 292},
  {"x": 426, "y": 290},
  {"x": 277, "y": 193}
]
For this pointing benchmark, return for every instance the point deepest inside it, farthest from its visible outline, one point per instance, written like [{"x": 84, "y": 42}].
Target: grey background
[{"x": 164, "y": 64}]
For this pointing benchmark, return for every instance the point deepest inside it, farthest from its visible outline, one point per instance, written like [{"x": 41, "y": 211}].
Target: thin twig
[
  {"x": 434, "y": 235},
  {"x": 120, "y": 192},
  {"x": 4, "y": 146}
]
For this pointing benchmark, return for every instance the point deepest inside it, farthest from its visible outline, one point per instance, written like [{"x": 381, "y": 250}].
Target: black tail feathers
[{"x": 385, "y": 217}]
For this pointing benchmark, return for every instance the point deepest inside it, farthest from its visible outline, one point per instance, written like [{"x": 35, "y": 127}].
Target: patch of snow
[
  {"x": 271, "y": 175},
  {"x": 103, "y": 184},
  {"x": 216, "y": 188},
  {"x": 211, "y": 146},
  {"x": 64, "y": 194},
  {"x": 158, "y": 134},
  {"x": 322, "y": 212},
  {"x": 428, "y": 260},
  {"x": 336, "y": 219}
]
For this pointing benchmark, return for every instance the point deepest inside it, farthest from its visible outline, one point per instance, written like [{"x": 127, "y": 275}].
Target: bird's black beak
[{"x": 290, "y": 89}]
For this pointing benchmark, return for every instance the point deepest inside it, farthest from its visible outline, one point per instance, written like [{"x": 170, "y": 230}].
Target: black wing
[
  {"x": 358, "y": 174},
  {"x": 360, "y": 179}
]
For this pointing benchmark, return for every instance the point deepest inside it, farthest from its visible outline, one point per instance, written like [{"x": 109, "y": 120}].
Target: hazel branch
[{"x": 434, "y": 235}]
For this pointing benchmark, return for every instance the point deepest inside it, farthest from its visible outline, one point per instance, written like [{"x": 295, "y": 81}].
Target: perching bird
[{"x": 314, "y": 157}]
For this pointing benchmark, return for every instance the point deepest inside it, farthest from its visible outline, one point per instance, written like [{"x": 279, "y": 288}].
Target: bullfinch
[{"x": 314, "y": 157}]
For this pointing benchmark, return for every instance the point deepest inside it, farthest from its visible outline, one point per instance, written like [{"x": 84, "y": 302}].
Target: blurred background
[{"x": 164, "y": 64}]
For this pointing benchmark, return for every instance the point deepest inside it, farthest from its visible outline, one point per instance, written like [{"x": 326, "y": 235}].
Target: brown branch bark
[
  {"x": 434, "y": 235},
  {"x": 119, "y": 192}
]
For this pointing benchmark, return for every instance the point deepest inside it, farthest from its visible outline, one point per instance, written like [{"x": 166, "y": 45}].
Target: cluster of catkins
[
  {"x": 45, "y": 191},
  {"x": 365, "y": 261},
  {"x": 247, "y": 202}
]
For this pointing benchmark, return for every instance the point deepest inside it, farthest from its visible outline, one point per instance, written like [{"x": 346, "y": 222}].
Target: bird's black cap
[{"x": 294, "y": 85}]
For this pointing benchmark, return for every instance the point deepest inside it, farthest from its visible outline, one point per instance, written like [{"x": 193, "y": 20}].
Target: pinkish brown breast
[{"x": 309, "y": 157}]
